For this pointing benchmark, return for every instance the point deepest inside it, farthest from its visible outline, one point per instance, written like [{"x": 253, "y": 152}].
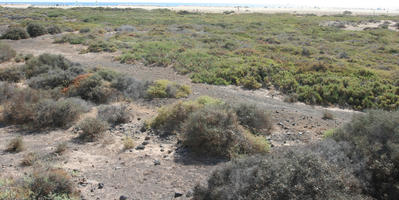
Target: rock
[
  {"x": 100, "y": 185},
  {"x": 138, "y": 119},
  {"x": 178, "y": 194},
  {"x": 147, "y": 138},
  {"x": 162, "y": 150},
  {"x": 157, "y": 162},
  {"x": 140, "y": 147},
  {"x": 123, "y": 197},
  {"x": 145, "y": 143},
  {"x": 143, "y": 129},
  {"x": 189, "y": 194}
]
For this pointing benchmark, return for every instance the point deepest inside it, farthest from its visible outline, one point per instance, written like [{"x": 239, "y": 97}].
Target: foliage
[
  {"x": 253, "y": 117},
  {"x": 6, "y": 53},
  {"x": 16, "y": 145},
  {"x": 29, "y": 159},
  {"x": 375, "y": 136},
  {"x": 130, "y": 87},
  {"x": 11, "y": 74},
  {"x": 15, "y": 33},
  {"x": 114, "y": 114},
  {"x": 92, "y": 128},
  {"x": 128, "y": 143},
  {"x": 35, "y": 29},
  {"x": 215, "y": 131},
  {"x": 171, "y": 117},
  {"x": 167, "y": 89},
  {"x": 54, "y": 30}
]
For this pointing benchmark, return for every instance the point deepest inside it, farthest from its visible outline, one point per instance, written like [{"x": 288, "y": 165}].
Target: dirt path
[{"x": 136, "y": 173}]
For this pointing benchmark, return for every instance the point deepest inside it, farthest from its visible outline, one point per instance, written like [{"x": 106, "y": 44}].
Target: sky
[{"x": 389, "y": 4}]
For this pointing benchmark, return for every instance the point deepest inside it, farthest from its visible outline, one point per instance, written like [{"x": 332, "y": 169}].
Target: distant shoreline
[{"x": 221, "y": 9}]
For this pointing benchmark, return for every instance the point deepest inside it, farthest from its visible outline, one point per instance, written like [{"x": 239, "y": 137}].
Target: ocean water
[{"x": 139, "y": 4}]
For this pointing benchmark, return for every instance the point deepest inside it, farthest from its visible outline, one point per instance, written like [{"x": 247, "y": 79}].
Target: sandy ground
[
  {"x": 134, "y": 173},
  {"x": 317, "y": 11}
]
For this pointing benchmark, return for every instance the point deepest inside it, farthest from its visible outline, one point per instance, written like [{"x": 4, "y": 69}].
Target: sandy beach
[{"x": 317, "y": 11}]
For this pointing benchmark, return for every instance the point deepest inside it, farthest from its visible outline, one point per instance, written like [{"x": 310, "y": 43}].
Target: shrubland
[
  {"x": 356, "y": 161},
  {"x": 297, "y": 54}
]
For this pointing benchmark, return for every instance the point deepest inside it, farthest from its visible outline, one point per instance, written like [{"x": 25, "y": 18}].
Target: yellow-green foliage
[
  {"x": 329, "y": 133},
  {"x": 128, "y": 142},
  {"x": 170, "y": 117},
  {"x": 168, "y": 89}
]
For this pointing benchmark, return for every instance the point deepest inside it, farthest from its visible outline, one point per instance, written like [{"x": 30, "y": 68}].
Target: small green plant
[
  {"x": 92, "y": 128},
  {"x": 15, "y": 33},
  {"x": 167, "y": 89},
  {"x": 329, "y": 133},
  {"x": 16, "y": 145},
  {"x": 61, "y": 148},
  {"x": 54, "y": 30},
  {"x": 327, "y": 115},
  {"x": 29, "y": 159},
  {"x": 128, "y": 143},
  {"x": 6, "y": 53},
  {"x": 35, "y": 29}
]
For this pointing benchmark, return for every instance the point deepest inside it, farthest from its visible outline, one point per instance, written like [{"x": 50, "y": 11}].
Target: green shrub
[
  {"x": 214, "y": 131},
  {"x": 11, "y": 74},
  {"x": 253, "y": 118},
  {"x": 52, "y": 79},
  {"x": 99, "y": 46},
  {"x": 44, "y": 63},
  {"x": 15, "y": 33},
  {"x": 46, "y": 183},
  {"x": 7, "y": 91},
  {"x": 114, "y": 114},
  {"x": 92, "y": 128},
  {"x": 84, "y": 30},
  {"x": 167, "y": 89},
  {"x": 128, "y": 143},
  {"x": 130, "y": 87},
  {"x": 29, "y": 159},
  {"x": 71, "y": 39},
  {"x": 36, "y": 30},
  {"x": 54, "y": 30},
  {"x": 6, "y": 53},
  {"x": 16, "y": 145},
  {"x": 283, "y": 174},
  {"x": 171, "y": 117},
  {"x": 61, "y": 113},
  {"x": 92, "y": 89},
  {"x": 375, "y": 136},
  {"x": 108, "y": 75}
]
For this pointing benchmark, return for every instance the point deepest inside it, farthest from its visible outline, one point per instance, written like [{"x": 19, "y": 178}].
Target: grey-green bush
[
  {"x": 92, "y": 128},
  {"x": 35, "y": 29},
  {"x": 254, "y": 118},
  {"x": 114, "y": 114},
  {"x": 15, "y": 33},
  {"x": 130, "y": 87},
  {"x": 6, "y": 53},
  {"x": 11, "y": 74}
]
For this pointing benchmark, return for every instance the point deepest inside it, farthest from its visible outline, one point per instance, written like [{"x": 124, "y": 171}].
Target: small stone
[
  {"x": 143, "y": 129},
  {"x": 157, "y": 162},
  {"x": 178, "y": 194},
  {"x": 100, "y": 185},
  {"x": 189, "y": 194},
  {"x": 140, "y": 147},
  {"x": 138, "y": 119},
  {"x": 162, "y": 150},
  {"x": 123, "y": 197},
  {"x": 147, "y": 138},
  {"x": 145, "y": 143}
]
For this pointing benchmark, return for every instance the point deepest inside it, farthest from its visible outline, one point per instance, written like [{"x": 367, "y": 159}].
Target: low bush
[
  {"x": 35, "y": 29},
  {"x": 45, "y": 62},
  {"x": 167, "y": 89},
  {"x": 16, "y": 145},
  {"x": 7, "y": 91},
  {"x": 61, "y": 148},
  {"x": 48, "y": 183},
  {"x": 128, "y": 143},
  {"x": 71, "y": 39},
  {"x": 11, "y": 74},
  {"x": 284, "y": 174},
  {"x": 91, "y": 88},
  {"x": 108, "y": 75},
  {"x": 327, "y": 115},
  {"x": 52, "y": 79},
  {"x": 375, "y": 136},
  {"x": 29, "y": 159},
  {"x": 171, "y": 117},
  {"x": 92, "y": 128},
  {"x": 15, "y": 33},
  {"x": 114, "y": 114},
  {"x": 100, "y": 46},
  {"x": 6, "y": 53},
  {"x": 61, "y": 113},
  {"x": 130, "y": 87},
  {"x": 215, "y": 131},
  {"x": 84, "y": 30},
  {"x": 254, "y": 118},
  {"x": 54, "y": 30}
]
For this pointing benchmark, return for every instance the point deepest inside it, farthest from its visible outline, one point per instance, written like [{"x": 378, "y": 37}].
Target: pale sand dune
[{"x": 317, "y": 11}]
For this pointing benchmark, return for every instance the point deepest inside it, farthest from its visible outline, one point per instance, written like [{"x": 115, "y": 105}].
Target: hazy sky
[{"x": 391, "y": 4}]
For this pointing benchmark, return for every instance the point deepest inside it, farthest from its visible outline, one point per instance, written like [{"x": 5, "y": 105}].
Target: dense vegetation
[
  {"x": 359, "y": 162},
  {"x": 299, "y": 55}
]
